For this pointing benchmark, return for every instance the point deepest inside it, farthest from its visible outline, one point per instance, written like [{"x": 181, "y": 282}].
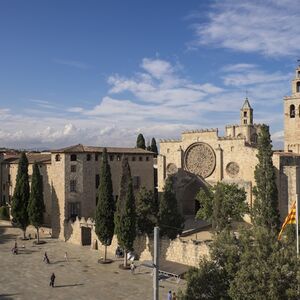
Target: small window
[
  {"x": 298, "y": 87},
  {"x": 74, "y": 210},
  {"x": 245, "y": 114},
  {"x": 111, "y": 157},
  {"x": 245, "y": 121},
  {"x": 136, "y": 182},
  {"x": 292, "y": 111},
  {"x": 118, "y": 157},
  {"x": 88, "y": 157},
  {"x": 9, "y": 178},
  {"x": 97, "y": 180},
  {"x": 57, "y": 157},
  {"x": 96, "y": 157},
  {"x": 73, "y": 168},
  {"x": 140, "y": 158},
  {"x": 72, "y": 185},
  {"x": 73, "y": 157},
  {"x": 133, "y": 158},
  {"x": 147, "y": 158},
  {"x": 117, "y": 197}
]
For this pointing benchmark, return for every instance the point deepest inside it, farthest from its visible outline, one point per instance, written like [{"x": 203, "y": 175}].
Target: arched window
[
  {"x": 57, "y": 157},
  {"x": 292, "y": 111},
  {"x": 298, "y": 87},
  {"x": 73, "y": 157},
  {"x": 254, "y": 138},
  {"x": 88, "y": 157}
]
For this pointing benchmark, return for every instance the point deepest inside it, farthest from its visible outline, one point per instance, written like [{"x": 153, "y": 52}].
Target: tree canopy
[
  {"x": 153, "y": 146},
  {"x": 140, "y": 142},
  {"x": 222, "y": 204},
  {"x": 265, "y": 208}
]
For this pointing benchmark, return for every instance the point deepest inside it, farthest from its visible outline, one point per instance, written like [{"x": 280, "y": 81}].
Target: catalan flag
[{"x": 290, "y": 219}]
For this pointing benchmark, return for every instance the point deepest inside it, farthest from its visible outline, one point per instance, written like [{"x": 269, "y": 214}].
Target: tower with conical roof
[
  {"x": 292, "y": 116},
  {"x": 246, "y": 113}
]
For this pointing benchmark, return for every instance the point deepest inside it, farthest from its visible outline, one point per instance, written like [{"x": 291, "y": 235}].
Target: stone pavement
[{"x": 26, "y": 276}]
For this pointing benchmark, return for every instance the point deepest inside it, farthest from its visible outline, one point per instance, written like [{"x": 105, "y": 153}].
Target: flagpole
[{"x": 297, "y": 222}]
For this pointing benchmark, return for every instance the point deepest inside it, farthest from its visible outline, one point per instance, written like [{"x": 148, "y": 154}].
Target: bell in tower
[{"x": 246, "y": 113}]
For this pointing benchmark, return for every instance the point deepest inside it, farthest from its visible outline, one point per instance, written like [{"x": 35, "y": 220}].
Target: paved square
[{"x": 26, "y": 276}]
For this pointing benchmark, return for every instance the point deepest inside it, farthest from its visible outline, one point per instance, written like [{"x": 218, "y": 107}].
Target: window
[
  {"x": 3, "y": 199},
  {"x": 96, "y": 157},
  {"x": 136, "y": 182},
  {"x": 88, "y": 157},
  {"x": 298, "y": 87},
  {"x": 245, "y": 114},
  {"x": 74, "y": 210},
  {"x": 292, "y": 111},
  {"x": 9, "y": 178},
  {"x": 117, "y": 197},
  {"x": 245, "y": 121},
  {"x": 57, "y": 157},
  {"x": 133, "y": 158},
  {"x": 254, "y": 137},
  {"x": 118, "y": 157},
  {"x": 72, "y": 185},
  {"x": 73, "y": 157},
  {"x": 111, "y": 157},
  {"x": 140, "y": 158},
  {"x": 147, "y": 158},
  {"x": 73, "y": 168},
  {"x": 97, "y": 180}
]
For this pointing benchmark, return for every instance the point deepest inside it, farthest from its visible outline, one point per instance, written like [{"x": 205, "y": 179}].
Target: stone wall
[{"x": 178, "y": 250}]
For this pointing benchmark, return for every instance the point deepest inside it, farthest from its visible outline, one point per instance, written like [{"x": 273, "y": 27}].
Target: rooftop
[{"x": 32, "y": 157}]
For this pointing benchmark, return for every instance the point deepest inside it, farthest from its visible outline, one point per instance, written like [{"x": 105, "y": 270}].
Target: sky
[{"x": 101, "y": 72}]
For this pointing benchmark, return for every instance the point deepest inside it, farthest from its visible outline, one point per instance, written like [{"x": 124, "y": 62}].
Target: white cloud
[{"x": 269, "y": 27}]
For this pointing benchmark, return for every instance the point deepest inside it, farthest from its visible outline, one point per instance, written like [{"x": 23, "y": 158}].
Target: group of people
[{"x": 172, "y": 296}]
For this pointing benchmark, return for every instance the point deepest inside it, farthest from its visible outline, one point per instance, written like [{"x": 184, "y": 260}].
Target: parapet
[{"x": 201, "y": 130}]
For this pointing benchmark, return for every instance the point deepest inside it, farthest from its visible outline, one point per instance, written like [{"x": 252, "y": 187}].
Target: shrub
[{"x": 4, "y": 213}]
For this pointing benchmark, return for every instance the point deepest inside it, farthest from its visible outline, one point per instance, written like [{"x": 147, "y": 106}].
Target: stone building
[
  {"x": 71, "y": 178},
  {"x": 202, "y": 158}
]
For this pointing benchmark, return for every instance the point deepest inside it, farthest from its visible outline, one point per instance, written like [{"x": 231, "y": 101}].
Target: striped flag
[{"x": 290, "y": 219}]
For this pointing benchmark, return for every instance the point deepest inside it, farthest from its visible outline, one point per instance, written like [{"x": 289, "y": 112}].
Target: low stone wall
[{"x": 178, "y": 250}]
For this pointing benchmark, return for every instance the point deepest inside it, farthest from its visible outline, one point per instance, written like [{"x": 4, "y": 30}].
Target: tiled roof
[
  {"x": 81, "y": 148},
  {"x": 32, "y": 157}
]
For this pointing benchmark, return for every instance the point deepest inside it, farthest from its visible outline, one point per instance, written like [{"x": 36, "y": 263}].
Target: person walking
[
  {"x": 52, "y": 279},
  {"x": 132, "y": 267},
  {"x": 46, "y": 259},
  {"x": 66, "y": 256},
  {"x": 170, "y": 295}
]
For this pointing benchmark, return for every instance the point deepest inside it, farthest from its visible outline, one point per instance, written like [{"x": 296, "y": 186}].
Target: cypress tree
[
  {"x": 21, "y": 195},
  {"x": 140, "y": 142},
  {"x": 36, "y": 205},
  {"x": 154, "y": 146},
  {"x": 106, "y": 206},
  {"x": 171, "y": 222},
  {"x": 265, "y": 207},
  {"x": 125, "y": 217}
]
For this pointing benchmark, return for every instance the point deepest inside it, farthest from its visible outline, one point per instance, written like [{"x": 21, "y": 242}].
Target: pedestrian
[
  {"x": 52, "y": 279},
  {"x": 132, "y": 267},
  {"x": 16, "y": 244},
  {"x": 46, "y": 259},
  {"x": 66, "y": 256},
  {"x": 170, "y": 295},
  {"x": 174, "y": 297}
]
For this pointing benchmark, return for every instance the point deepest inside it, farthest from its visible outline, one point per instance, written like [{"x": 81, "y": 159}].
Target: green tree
[
  {"x": 222, "y": 204},
  {"x": 21, "y": 195},
  {"x": 140, "y": 142},
  {"x": 146, "y": 211},
  {"x": 268, "y": 269},
  {"x": 36, "y": 205},
  {"x": 125, "y": 216},
  {"x": 265, "y": 207},
  {"x": 205, "y": 282},
  {"x": 104, "y": 221},
  {"x": 171, "y": 222},
  {"x": 153, "y": 146}
]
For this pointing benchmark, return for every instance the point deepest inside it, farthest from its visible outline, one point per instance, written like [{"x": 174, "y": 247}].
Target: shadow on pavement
[
  {"x": 7, "y": 296},
  {"x": 68, "y": 285}
]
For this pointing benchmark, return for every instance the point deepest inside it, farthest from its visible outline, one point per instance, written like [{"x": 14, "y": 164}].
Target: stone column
[{"x": 219, "y": 163}]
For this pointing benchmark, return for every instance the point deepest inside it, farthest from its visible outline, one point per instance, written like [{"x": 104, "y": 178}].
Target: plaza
[{"x": 26, "y": 276}]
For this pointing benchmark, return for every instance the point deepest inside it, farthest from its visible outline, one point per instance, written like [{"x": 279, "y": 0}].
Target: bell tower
[
  {"x": 292, "y": 116},
  {"x": 246, "y": 113}
]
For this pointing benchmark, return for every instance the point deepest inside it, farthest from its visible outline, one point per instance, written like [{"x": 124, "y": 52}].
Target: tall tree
[
  {"x": 125, "y": 216},
  {"x": 140, "y": 142},
  {"x": 21, "y": 195},
  {"x": 222, "y": 204},
  {"x": 154, "y": 146},
  {"x": 146, "y": 211},
  {"x": 36, "y": 205},
  {"x": 105, "y": 209},
  {"x": 265, "y": 208},
  {"x": 171, "y": 222}
]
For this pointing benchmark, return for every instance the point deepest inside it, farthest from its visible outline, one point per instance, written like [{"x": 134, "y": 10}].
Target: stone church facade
[{"x": 202, "y": 158}]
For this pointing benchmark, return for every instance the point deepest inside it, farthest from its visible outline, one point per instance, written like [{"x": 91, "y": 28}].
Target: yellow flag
[{"x": 290, "y": 219}]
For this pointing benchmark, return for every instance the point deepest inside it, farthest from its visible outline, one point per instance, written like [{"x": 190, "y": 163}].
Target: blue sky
[{"x": 100, "y": 72}]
